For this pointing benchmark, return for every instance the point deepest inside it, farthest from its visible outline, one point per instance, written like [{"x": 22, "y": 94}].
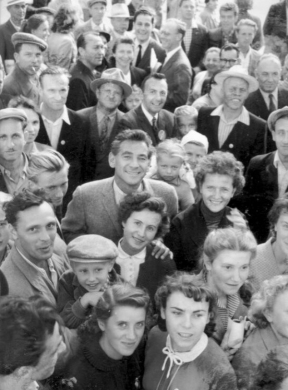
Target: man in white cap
[
  {"x": 104, "y": 118},
  {"x": 23, "y": 80},
  {"x": 230, "y": 127},
  {"x": 120, "y": 20},
  {"x": 17, "y": 11}
]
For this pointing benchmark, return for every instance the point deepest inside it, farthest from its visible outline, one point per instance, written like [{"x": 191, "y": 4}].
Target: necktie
[
  {"x": 272, "y": 106},
  {"x": 139, "y": 56},
  {"x": 155, "y": 129},
  {"x": 104, "y": 133}
]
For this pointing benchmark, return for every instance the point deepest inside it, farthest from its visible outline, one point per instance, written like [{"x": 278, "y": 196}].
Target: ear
[
  {"x": 97, "y": 93},
  {"x": 101, "y": 325},
  {"x": 13, "y": 232},
  {"x": 234, "y": 190},
  {"x": 111, "y": 159},
  {"x": 80, "y": 51},
  {"x": 16, "y": 57},
  {"x": 268, "y": 315},
  {"x": 208, "y": 263},
  {"x": 162, "y": 312},
  {"x": 23, "y": 372},
  {"x": 32, "y": 186},
  {"x": 273, "y": 135}
]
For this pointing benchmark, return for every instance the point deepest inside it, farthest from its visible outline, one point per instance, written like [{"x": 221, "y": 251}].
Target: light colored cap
[
  {"x": 115, "y": 76},
  {"x": 194, "y": 136},
  {"x": 91, "y": 248},
  {"x": 20, "y": 37},
  {"x": 240, "y": 72},
  {"x": 15, "y": 113},
  {"x": 14, "y": 2},
  {"x": 275, "y": 115},
  {"x": 92, "y": 2},
  {"x": 119, "y": 10}
]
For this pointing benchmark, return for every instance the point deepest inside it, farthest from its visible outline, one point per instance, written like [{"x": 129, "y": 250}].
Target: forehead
[
  {"x": 229, "y": 54},
  {"x": 156, "y": 84},
  {"x": 89, "y": 265},
  {"x": 125, "y": 46},
  {"x": 128, "y": 314},
  {"x": 179, "y": 300},
  {"x": 97, "y": 6},
  {"x": 246, "y": 28},
  {"x": 231, "y": 256},
  {"x": 235, "y": 82},
  {"x": 217, "y": 179},
  {"x": 109, "y": 86},
  {"x": 47, "y": 179},
  {"x": 193, "y": 148},
  {"x": 186, "y": 120},
  {"x": 146, "y": 215},
  {"x": 36, "y": 215},
  {"x": 10, "y": 125},
  {"x": 31, "y": 114},
  {"x": 269, "y": 65},
  {"x": 229, "y": 13},
  {"x": 212, "y": 54},
  {"x": 93, "y": 40},
  {"x": 144, "y": 18},
  {"x": 282, "y": 124},
  {"x": 134, "y": 147},
  {"x": 28, "y": 48},
  {"x": 55, "y": 81},
  {"x": 189, "y": 2},
  {"x": 169, "y": 159}
]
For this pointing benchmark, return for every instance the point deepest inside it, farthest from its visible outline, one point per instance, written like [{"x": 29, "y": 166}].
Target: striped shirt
[{"x": 233, "y": 301}]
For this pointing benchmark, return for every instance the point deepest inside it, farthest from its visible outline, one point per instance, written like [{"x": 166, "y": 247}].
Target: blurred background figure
[
  {"x": 208, "y": 16},
  {"x": 245, "y": 6}
]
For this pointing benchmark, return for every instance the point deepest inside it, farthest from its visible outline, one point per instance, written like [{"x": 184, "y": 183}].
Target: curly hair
[
  {"x": 191, "y": 286},
  {"x": 265, "y": 298},
  {"x": 64, "y": 19},
  {"x": 139, "y": 201},
  {"x": 221, "y": 163}
]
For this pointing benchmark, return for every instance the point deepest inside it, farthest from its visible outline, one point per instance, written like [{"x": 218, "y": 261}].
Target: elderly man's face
[
  {"x": 235, "y": 91},
  {"x": 170, "y": 36},
  {"x": 280, "y": 137},
  {"x": 268, "y": 75},
  {"x": 17, "y": 12},
  {"x": 94, "y": 50},
  {"x": 109, "y": 96}
]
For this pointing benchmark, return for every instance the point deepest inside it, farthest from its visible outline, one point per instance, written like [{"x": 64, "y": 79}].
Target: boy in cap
[{"x": 92, "y": 259}]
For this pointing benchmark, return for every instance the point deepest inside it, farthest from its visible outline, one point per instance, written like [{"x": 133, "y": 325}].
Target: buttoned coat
[
  {"x": 215, "y": 38},
  {"x": 145, "y": 60},
  {"x": 6, "y": 47},
  {"x": 178, "y": 73},
  {"x": 136, "y": 119},
  {"x": 99, "y": 164},
  {"x": 198, "y": 46},
  {"x": 93, "y": 209},
  {"x": 244, "y": 141}
]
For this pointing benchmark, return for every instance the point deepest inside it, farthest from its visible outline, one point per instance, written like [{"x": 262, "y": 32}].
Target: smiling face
[
  {"x": 168, "y": 167},
  {"x": 11, "y": 140},
  {"x": 93, "y": 275},
  {"x": 123, "y": 331},
  {"x": 194, "y": 153},
  {"x": 143, "y": 27},
  {"x": 29, "y": 58},
  {"x": 235, "y": 92},
  {"x": 54, "y": 91},
  {"x": 212, "y": 61},
  {"x": 278, "y": 316},
  {"x": 131, "y": 164},
  {"x": 154, "y": 95},
  {"x": 170, "y": 37},
  {"x": 280, "y": 136},
  {"x": 124, "y": 55},
  {"x": 186, "y": 320},
  {"x": 35, "y": 232},
  {"x": 216, "y": 191},
  {"x": 268, "y": 74},
  {"x": 228, "y": 271},
  {"x": 139, "y": 230},
  {"x": 43, "y": 31}
]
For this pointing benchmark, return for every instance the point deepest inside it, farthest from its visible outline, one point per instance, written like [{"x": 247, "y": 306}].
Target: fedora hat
[
  {"x": 119, "y": 10},
  {"x": 115, "y": 76},
  {"x": 240, "y": 72}
]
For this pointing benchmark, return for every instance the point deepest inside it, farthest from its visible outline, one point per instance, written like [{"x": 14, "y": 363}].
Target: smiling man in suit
[
  {"x": 176, "y": 66},
  {"x": 150, "y": 116},
  {"x": 64, "y": 129},
  {"x": 230, "y": 127}
]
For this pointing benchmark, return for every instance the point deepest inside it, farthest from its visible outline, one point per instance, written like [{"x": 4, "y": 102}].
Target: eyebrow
[{"x": 195, "y": 311}]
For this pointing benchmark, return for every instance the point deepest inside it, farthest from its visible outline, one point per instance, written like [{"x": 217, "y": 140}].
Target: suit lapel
[
  {"x": 214, "y": 134},
  {"x": 64, "y": 136},
  {"x": 261, "y": 103},
  {"x": 282, "y": 102},
  {"x": 171, "y": 61},
  {"x": 272, "y": 177},
  {"x": 109, "y": 203}
]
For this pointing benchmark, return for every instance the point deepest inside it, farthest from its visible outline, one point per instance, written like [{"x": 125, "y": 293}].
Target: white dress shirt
[
  {"x": 245, "y": 60},
  {"x": 144, "y": 46},
  {"x": 130, "y": 264},
  {"x": 120, "y": 195},
  {"x": 54, "y": 128},
  {"x": 148, "y": 115}
]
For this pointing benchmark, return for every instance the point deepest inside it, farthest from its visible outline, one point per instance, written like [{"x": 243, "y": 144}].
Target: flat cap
[
  {"x": 92, "y": 2},
  {"x": 91, "y": 248},
  {"x": 275, "y": 115},
  {"x": 14, "y": 2},
  {"x": 45, "y": 10},
  {"x": 15, "y": 113},
  {"x": 20, "y": 37}
]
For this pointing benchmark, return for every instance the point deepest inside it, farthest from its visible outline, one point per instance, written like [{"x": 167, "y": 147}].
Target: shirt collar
[
  {"x": 49, "y": 261},
  {"x": 120, "y": 195},
  {"x": 25, "y": 168},
  {"x": 243, "y": 117},
  {"x": 277, "y": 160},
  {"x": 95, "y": 26},
  {"x": 266, "y": 94},
  {"x": 123, "y": 255},
  {"x": 143, "y": 45},
  {"x": 148, "y": 115},
  {"x": 64, "y": 116},
  {"x": 101, "y": 115}
]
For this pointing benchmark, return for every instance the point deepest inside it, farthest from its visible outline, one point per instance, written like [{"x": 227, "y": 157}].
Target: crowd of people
[{"x": 143, "y": 196}]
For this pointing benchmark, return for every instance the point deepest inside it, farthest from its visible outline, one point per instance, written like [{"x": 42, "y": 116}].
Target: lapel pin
[
  {"x": 231, "y": 146},
  {"x": 62, "y": 142}
]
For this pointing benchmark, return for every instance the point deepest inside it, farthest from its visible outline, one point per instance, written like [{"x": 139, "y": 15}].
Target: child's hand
[{"x": 90, "y": 298}]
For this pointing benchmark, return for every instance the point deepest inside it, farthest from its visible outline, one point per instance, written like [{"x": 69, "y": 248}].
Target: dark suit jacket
[
  {"x": 74, "y": 145},
  {"x": 4, "y": 100},
  {"x": 145, "y": 60},
  {"x": 187, "y": 235},
  {"x": 178, "y": 73},
  {"x": 216, "y": 39},
  {"x": 244, "y": 141},
  {"x": 260, "y": 191},
  {"x": 6, "y": 48},
  {"x": 275, "y": 21},
  {"x": 198, "y": 46},
  {"x": 137, "y": 74},
  {"x": 99, "y": 165},
  {"x": 136, "y": 119},
  {"x": 80, "y": 95}
]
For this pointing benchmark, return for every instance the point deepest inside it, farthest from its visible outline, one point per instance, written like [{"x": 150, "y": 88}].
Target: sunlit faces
[
  {"x": 168, "y": 167},
  {"x": 278, "y": 316},
  {"x": 54, "y": 91},
  {"x": 143, "y": 28},
  {"x": 228, "y": 271},
  {"x": 97, "y": 12},
  {"x": 268, "y": 74},
  {"x": 170, "y": 37},
  {"x": 187, "y": 9},
  {"x": 212, "y": 61},
  {"x": 228, "y": 58},
  {"x": 53, "y": 347},
  {"x": 154, "y": 95},
  {"x": 29, "y": 58},
  {"x": 43, "y": 31},
  {"x": 235, "y": 92},
  {"x": 17, "y": 12},
  {"x": 186, "y": 320},
  {"x": 227, "y": 20},
  {"x": 4, "y": 232},
  {"x": 281, "y": 229},
  {"x": 32, "y": 124},
  {"x": 124, "y": 55},
  {"x": 212, "y": 5},
  {"x": 109, "y": 95},
  {"x": 139, "y": 230},
  {"x": 245, "y": 36},
  {"x": 280, "y": 136},
  {"x": 131, "y": 164},
  {"x": 92, "y": 275},
  {"x": 55, "y": 185},
  {"x": 12, "y": 139},
  {"x": 194, "y": 153},
  {"x": 185, "y": 123},
  {"x": 133, "y": 101},
  {"x": 35, "y": 232},
  {"x": 94, "y": 50},
  {"x": 120, "y": 25},
  {"x": 216, "y": 191},
  {"x": 123, "y": 331}
]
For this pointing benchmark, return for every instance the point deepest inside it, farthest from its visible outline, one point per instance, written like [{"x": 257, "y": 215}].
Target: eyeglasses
[{"x": 230, "y": 62}]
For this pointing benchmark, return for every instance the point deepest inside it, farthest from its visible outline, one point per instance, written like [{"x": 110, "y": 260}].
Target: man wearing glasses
[{"x": 229, "y": 56}]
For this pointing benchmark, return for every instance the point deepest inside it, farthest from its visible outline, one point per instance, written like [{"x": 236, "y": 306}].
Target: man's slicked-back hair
[
  {"x": 156, "y": 76},
  {"x": 181, "y": 26},
  {"x": 230, "y": 47},
  {"x": 24, "y": 327},
  {"x": 54, "y": 71},
  {"x": 134, "y": 136},
  {"x": 82, "y": 39},
  {"x": 145, "y": 11},
  {"x": 23, "y": 201}
]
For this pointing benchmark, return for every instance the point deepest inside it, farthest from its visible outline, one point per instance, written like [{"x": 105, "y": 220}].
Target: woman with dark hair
[
  {"x": 62, "y": 49},
  {"x": 213, "y": 97},
  {"x": 218, "y": 176},
  {"x": 144, "y": 219},
  {"x": 123, "y": 55},
  {"x": 109, "y": 356},
  {"x": 180, "y": 353},
  {"x": 268, "y": 311},
  {"x": 37, "y": 25}
]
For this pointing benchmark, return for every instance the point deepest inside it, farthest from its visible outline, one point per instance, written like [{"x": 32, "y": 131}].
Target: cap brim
[
  {"x": 98, "y": 82},
  {"x": 275, "y": 115},
  {"x": 222, "y": 76},
  {"x": 83, "y": 260}
]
